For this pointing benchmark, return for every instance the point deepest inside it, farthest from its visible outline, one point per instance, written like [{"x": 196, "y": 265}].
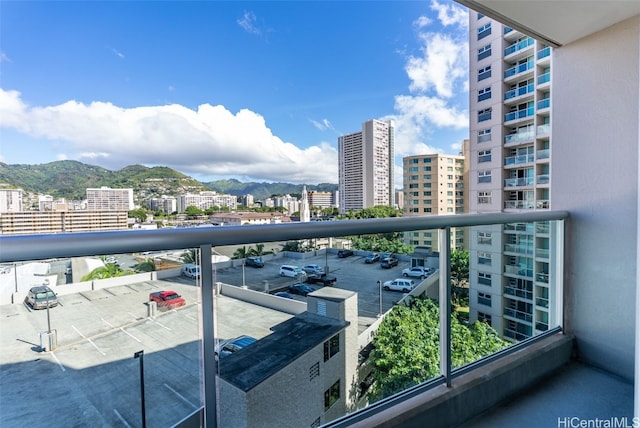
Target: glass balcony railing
[
  {"x": 519, "y": 137},
  {"x": 507, "y": 30},
  {"x": 543, "y": 129},
  {"x": 542, "y": 179},
  {"x": 519, "y": 114},
  {"x": 542, "y": 154},
  {"x": 545, "y": 103},
  {"x": 544, "y": 78},
  {"x": 542, "y": 277},
  {"x": 512, "y": 291},
  {"x": 519, "y": 204},
  {"x": 518, "y": 182},
  {"x": 519, "y": 248},
  {"x": 520, "y": 68},
  {"x": 542, "y": 302},
  {"x": 523, "y": 44},
  {"x": 542, "y": 253},
  {"x": 517, "y": 92},
  {"x": 543, "y": 53},
  {"x": 518, "y": 160},
  {"x": 194, "y": 304}
]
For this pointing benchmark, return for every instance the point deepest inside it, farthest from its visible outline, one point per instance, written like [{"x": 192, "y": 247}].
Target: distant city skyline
[{"x": 257, "y": 91}]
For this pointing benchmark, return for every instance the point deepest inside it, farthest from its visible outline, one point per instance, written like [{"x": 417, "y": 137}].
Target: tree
[
  {"x": 139, "y": 214},
  {"x": 109, "y": 270},
  {"x": 240, "y": 253},
  {"x": 147, "y": 265},
  {"x": 406, "y": 347},
  {"x": 190, "y": 257},
  {"x": 460, "y": 264},
  {"x": 193, "y": 211}
]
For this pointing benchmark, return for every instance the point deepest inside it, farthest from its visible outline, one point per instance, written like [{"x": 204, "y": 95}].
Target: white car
[
  {"x": 313, "y": 269},
  {"x": 417, "y": 271},
  {"x": 399, "y": 284}
]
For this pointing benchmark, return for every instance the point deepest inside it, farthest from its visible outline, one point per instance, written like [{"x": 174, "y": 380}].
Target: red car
[{"x": 167, "y": 299}]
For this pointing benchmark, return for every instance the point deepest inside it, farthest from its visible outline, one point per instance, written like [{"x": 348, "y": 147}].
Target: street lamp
[
  {"x": 140, "y": 355},
  {"x": 380, "y": 291}
]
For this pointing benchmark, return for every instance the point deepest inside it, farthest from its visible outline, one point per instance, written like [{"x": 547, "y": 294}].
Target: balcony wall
[{"x": 601, "y": 273}]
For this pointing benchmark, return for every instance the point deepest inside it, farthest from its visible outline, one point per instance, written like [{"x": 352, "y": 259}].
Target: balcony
[
  {"x": 544, "y": 104},
  {"x": 519, "y": 137},
  {"x": 519, "y": 114},
  {"x": 519, "y": 204},
  {"x": 542, "y": 179},
  {"x": 518, "y": 70},
  {"x": 544, "y": 78},
  {"x": 132, "y": 325},
  {"x": 517, "y": 47},
  {"x": 542, "y": 154},
  {"x": 518, "y": 182},
  {"x": 543, "y": 130},
  {"x": 518, "y": 160},
  {"x": 518, "y": 92},
  {"x": 543, "y": 53},
  {"x": 519, "y": 248}
]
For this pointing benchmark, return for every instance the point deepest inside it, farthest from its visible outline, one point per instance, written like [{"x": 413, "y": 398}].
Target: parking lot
[{"x": 92, "y": 378}]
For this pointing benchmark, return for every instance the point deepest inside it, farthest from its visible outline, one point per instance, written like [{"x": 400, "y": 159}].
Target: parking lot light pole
[
  {"x": 140, "y": 355},
  {"x": 380, "y": 290}
]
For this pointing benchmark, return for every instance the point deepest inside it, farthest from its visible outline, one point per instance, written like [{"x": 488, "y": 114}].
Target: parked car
[
  {"x": 233, "y": 345},
  {"x": 326, "y": 280},
  {"x": 399, "y": 284},
  {"x": 313, "y": 269},
  {"x": 389, "y": 262},
  {"x": 292, "y": 271},
  {"x": 345, "y": 253},
  {"x": 284, "y": 295},
  {"x": 417, "y": 271},
  {"x": 372, "y": 258},
  {"x": 254, "y": 261},
  {"x": 38, "y": 296},
  {"x": 191, "y": 271},
  {"x": 302, "y": 289},
  {"x": 167, "y": 299}
]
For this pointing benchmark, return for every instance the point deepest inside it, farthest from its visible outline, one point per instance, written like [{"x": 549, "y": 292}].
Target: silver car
[{"x": 38, "y": 297}]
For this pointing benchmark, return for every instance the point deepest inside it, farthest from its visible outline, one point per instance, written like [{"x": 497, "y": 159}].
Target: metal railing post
[
  {"x": 444, "y": 241},
  {"x": 209, "y": 360}
]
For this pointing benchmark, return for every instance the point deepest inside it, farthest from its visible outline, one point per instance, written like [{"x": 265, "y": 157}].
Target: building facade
[
  {"x": 29, "y": 222},
  {"x": 107, "y": 199},
  {"x": 10, "y": 200},
  {"x": 510, "y": 161},
  {"x": 206, "y": 200},
  {"x": 433, "y": 185},
  {"x": 366, "y": 167}
]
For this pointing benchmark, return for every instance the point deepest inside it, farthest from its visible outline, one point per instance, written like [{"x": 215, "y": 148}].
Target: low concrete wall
[
  {"x": 475, "y": 391},
  {"x": 164, "y": 274},
  {"x": 289, "y": 306}
]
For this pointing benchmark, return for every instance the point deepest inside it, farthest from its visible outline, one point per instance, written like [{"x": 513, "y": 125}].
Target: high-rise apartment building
[
  {"x": 10, "y": 200},
  {"x": 107, "y": 199},
  {"x": 434, "y": 185},
  {"x": 366, "y": 160},
  {"x": 510, "y": 142}
]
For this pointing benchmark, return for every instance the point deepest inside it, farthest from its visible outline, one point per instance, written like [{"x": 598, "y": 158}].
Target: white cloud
[
  {"x": 451, "y": 14},
  {"x": 4, "y": 57},
  {"x": 422, "y": 22},
  {"x": 322, "y": 125},
  {"x": 209, "y": 141},
  {"x": 247, "y": 22},
  {"x": 117, "y": 53},
  {"x": 443, "y": 65}
]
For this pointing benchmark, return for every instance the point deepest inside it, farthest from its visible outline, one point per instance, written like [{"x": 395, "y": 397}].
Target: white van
[
  {"x": 292, "y": 271},
  {"x": 191, "y": 271}
]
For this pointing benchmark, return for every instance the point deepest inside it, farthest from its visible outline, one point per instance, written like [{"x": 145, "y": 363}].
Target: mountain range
[{"x": 70, "y": 179}]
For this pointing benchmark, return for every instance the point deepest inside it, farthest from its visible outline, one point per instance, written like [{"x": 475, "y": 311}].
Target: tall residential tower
[
  {"x": 366, "y": 167},
  {"x": 510, "y": 110}
]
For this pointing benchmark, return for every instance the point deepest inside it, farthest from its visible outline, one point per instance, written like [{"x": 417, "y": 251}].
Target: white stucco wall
[{"x": 595, "y": 177}]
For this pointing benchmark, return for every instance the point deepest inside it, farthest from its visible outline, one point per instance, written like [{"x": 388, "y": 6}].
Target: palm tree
[
  {"x": 190, "y": 257},
  {"x": 109, "y": 270},
  {"x": 240, "y": 253},
  {"x": 147, "y": 265}
]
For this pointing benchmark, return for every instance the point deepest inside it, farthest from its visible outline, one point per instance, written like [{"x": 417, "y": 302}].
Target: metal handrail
[{"x": 59, "y": 245}]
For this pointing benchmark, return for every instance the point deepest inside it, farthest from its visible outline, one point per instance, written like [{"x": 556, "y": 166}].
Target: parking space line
[
  {"x": 107, "y": 322},
  {"x": 130, "y": 335},
  {"x": 191, "y": 318},
  {"x": 88, "y": 340},
  {"x": 58, "y": 361},
  {"x": 135, "y": 317},
  {"x": 161, "y": 325},
  {"x": 180, "y": 396},
  {"x": 121, "y": 418}
]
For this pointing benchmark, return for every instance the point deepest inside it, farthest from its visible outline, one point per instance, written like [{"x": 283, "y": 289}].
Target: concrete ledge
[{"x": 478, "y": 390}]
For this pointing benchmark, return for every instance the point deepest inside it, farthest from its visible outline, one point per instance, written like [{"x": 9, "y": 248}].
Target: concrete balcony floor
[{"x": 576, "y": 393}]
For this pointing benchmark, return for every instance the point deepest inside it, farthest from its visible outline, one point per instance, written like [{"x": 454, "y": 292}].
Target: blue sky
[{"x": 258, "y": 91}]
